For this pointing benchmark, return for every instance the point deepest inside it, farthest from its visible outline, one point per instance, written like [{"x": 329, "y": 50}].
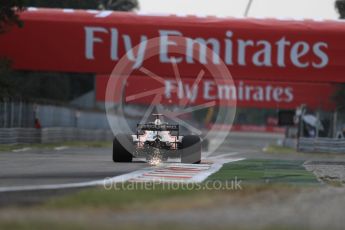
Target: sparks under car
[{"x": 157, "y": 141}]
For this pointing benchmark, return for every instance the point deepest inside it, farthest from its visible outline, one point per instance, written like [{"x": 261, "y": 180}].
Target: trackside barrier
[
  {"x": 52, "y": 135},
  {"x": 19, "y": 135},
  {"x": 248, "y": 128},
  {"x": 321, "y": 145},
  {"x": 290, "y": 142}
]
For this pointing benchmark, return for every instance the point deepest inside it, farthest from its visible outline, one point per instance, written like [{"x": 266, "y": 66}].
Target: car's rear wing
[
  {"x": 153, "y": 127},
  {"x": 162, "y": 127}
]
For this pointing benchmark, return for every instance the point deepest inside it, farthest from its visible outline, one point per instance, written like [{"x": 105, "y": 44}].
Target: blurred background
[
  {"x": 287, "y": 142},
  {"x": 42, "y": 100}
]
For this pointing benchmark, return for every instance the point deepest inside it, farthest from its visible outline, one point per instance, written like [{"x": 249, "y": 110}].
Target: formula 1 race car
[{"x": 157, "y": 141}]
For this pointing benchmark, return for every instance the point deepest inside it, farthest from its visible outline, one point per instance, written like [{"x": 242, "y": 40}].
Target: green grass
[
  {"x": 92, "y": 144},
  {"x": 255, "y": 175},
  {"x": 93, "y": 208},
  {"x": 120, "y": 226},
  {"x": 55, "y": 225},
  {"x": 42, "y": 225},
  {"x": 118, "y": 199},
  {"x": 279, "y": 149},
  {"x": 266, "y": 171}
]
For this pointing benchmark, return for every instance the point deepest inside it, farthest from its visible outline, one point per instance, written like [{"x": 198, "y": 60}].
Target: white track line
[
  {"x": 171, "y": 173},
  {"x": 59, "y": 148},
  {"x": 21, "y": 150},
  {"x": 117, "y": 179}
]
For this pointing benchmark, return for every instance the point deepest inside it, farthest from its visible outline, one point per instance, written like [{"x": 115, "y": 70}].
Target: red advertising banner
[
  {"x": 252, "y": 49},
  {"x": 246, "y": 93}
]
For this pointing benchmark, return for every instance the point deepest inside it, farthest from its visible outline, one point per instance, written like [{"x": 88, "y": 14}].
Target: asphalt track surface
[
  {"x": 317, "y": 209},
  {"x": 74, "y": 165},
  {"x": 47, "y": 167}
]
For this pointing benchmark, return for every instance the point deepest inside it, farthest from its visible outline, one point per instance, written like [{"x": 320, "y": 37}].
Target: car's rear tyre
[
  {"x": 191, "y": 149},
  {"x": 120, "y": 153}
]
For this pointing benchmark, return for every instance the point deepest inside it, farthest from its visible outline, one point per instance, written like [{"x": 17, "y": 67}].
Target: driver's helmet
[{"x": 158, "y": 122}]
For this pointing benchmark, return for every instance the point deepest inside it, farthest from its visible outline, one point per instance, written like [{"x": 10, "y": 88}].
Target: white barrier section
[{"x": 321, "y": 145}]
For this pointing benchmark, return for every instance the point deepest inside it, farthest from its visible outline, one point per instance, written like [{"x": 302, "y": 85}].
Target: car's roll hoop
[
  {"x": 158, "y": 125},
  {"x": 157, "y": 115}
]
